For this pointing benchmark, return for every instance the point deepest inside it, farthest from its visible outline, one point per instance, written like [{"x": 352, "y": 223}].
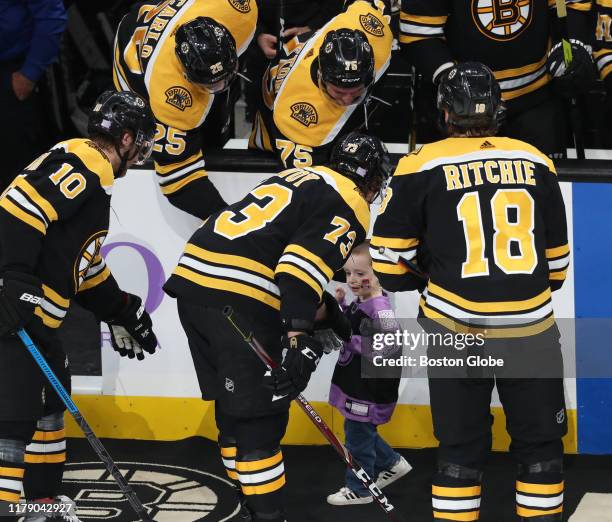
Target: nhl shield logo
[
  {"x": 372, "y": 25},
  {"x": 243, "y": 6},
  {"x": 179, "y": 97},
  {"x": 502, "y": 19},
  {"x": 305, "y": 113}
]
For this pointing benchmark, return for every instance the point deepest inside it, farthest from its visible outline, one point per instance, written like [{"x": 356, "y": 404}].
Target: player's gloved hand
[
  {"x": 334, "y": 328},
  {"x": 19, "y": 295},
  {"x": 301, "y": 355},
  {"x": 576, "y": 78},
  {"x": 132, "y": 330}
]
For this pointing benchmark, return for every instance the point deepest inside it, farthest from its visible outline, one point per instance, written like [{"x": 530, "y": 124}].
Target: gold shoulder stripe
[
  {"x": 348, "y": 191},
  {"x": 93, "y": 158},
  {"x": 13, "y": 209},
  {"x": 229, "y": 260},
  {"x": 33, "y": 194},
  {"x": 316, "y": 260}
]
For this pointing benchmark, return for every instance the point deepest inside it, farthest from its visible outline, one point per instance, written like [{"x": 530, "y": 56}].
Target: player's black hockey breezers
[
  {"x": 318, "y": 421},
  {"x": 127, "y": 490}
]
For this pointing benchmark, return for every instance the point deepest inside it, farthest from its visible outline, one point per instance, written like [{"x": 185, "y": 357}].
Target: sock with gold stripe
[
  {"x": 456, "y": 492},
  {"x": 45, "y": 457},
  {"x": 262, "y": 476},
  {"x": 539, "y": 497},
  {"x": 11, "y": 469}
]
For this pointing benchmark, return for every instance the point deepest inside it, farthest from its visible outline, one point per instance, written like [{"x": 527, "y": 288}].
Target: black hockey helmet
[
  {"x": 116, "y": 112},
  {"x": 346, "y": 60},
  {"x": 365, "y": 160},
  {"x": 471, "y": 95},
  {"x": 207, "y": 51}
]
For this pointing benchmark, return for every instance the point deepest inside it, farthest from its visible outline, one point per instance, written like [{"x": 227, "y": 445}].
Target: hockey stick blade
[
  {"x": 93, "y": 440},
  {"x": 320, "y": 424}
]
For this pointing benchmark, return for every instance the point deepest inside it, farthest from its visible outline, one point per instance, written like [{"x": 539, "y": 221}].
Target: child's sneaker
[
  {"x": 347, "y": 497},
  {"x": 389, "y": 476}
]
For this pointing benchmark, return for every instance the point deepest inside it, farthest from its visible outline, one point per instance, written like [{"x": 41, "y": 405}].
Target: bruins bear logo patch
[
  {"x": 244, "y": 6},
  {"x": 179, "y": 97},
  {"x": 305, "y": 113},
  {"x": 502, "y": 19},
  {"x": 372, "y": 25}
]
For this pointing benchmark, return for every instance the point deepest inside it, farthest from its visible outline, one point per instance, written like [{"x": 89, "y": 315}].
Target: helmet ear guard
[{"x": 207, "y": 52}]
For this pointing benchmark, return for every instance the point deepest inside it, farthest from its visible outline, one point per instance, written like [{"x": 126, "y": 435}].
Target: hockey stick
[
  {"x": 394, "y": 257},
  {"x": 127, "y": 490},
  {"x": 318, "y": 421},
  {"x": 567, "y": 58}
]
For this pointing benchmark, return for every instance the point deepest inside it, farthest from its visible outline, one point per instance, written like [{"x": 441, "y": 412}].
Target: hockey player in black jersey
[
  {"x": 182, "y": 57},
  {"x": 485, "y": 218},
  {"x": 53, "y": 221},
  {"x": 270, "y": 257}
]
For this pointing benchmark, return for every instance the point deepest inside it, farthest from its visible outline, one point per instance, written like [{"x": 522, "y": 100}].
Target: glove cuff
[{"x": 297, "y": 325}]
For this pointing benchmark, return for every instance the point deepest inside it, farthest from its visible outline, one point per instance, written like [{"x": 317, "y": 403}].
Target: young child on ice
[{"x": 364, "y": 403}]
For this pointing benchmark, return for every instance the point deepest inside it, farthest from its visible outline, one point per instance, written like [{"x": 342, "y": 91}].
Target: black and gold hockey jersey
[
  {"x": 512, "y": 37},
  {"x": 145, "y": 62},
  {"x": 296, "y": 119},
  {"x": 490, "y": 214},
  {"x": 276, "y": 250},
  {"x": 602, "y": 50},
  {"x": 53, "y": 221}
]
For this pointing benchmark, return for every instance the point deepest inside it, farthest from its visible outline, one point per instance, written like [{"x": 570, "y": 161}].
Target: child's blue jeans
[{"x": 370, "y": 450}]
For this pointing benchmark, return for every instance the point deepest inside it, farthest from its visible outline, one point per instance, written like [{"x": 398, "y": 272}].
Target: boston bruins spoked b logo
[
  {"x": 502, "y": 19},
  {"x": 244, "y": 6},
  {"x": 168, "y": 493}
]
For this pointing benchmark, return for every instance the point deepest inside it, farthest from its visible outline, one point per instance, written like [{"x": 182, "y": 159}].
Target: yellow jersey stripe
[
  {"x": 33, "y": 194},
  {"x": 539, "y": 489},
  {"x": 96, "y": 280},
  {"x": 257, "y": 465},
  {"x": 165, "y": 169},
  {"x": 520, "y": 71},
  {"x": 228, "y": 286},
  {"x": 55, "y": 297},
  {"x": 301, "y": 275},
  {"x": 229, "y": 451},
  {"x": 49, "y": 435},
  {"x": 557, "y": 251},
  {"x": 470, "y": 491},
  {"x": 232, "y": 474},
  {"x": 315, "y": 259},
  {"x": 179, "y": 184},
  {"x": 483, "y": 306},
  {"x": 525, "y": 512},
  {"x": 511, "y": 94},
  {"x": 230, "y": 260},
  {"x": 394, "y": 242},
  {"x": 23, "y": 216},
  {"x": 422, "y": 19},
  {"x": 385, "y": 268},
  {"x": 558, "y": 276},
  {"x": 463, "y": 517},
  {"x": 11, "y": 472},
  {"x": 265, "y": 488},
  {"x": 411, "y": 39}
]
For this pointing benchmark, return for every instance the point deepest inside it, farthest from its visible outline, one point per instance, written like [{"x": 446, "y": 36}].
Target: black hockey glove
[
  {"x": 335, "y": 328},
  {"x": 576, "y": 79},
  {"x": 132, "y": 330},
  {"x": 301, "y": 355},
  {"x": 19, "y": 295}
]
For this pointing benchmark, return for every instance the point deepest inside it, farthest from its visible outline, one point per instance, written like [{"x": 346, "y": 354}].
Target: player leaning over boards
[
  {"x": 311, "y": 92},
  {"x": 182, "y": 56},
  {"x": 53, "y": 221},
  {"x": 270, "y": 256},
  {"x": 491, "y": 215}
]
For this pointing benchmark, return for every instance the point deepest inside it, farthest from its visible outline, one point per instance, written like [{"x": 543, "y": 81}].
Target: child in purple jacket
[{"x": 364, "y": 403}]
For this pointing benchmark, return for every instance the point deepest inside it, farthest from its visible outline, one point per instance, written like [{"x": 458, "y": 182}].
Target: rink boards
[{"x": 158, "y": 398}]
